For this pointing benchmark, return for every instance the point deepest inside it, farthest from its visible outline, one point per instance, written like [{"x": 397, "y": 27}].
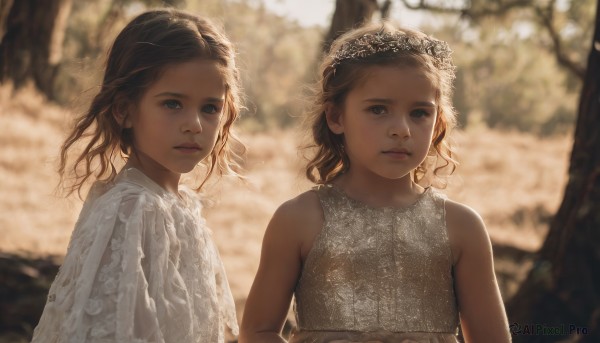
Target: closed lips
[
  {"x": 188, "y": 147},
  {"x": 397, "y": 151}
]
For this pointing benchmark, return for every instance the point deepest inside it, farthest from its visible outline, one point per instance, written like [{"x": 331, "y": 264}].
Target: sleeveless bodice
[{"x": 378, "y": 269}]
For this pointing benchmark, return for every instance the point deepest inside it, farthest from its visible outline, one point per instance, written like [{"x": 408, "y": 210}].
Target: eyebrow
[
  {"x": 389, "y": 101},
  {"x": 183, "y": 96}
]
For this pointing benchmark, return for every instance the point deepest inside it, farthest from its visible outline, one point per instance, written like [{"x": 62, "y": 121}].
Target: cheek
[
  {"x": 212, "y": 128},
  {"x": 428, "y": 126},
  {"x": 363, "y": 128}
]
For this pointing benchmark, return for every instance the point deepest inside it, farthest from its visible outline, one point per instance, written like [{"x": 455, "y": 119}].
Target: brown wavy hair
[
  {"x": 140, "y": 53},
  {"x": 335, "y": 82}
]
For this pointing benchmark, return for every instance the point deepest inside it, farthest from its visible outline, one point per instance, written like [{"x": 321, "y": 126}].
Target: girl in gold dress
[{"x": 373, "y": 253}]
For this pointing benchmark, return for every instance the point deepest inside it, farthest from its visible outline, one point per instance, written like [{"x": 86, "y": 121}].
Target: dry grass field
[{"x": 514, "y": 180}]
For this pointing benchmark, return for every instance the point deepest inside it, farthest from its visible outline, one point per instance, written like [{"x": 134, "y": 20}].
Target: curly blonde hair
[
  {"x": 138, "y": 56},
  {"x": 338, "y": 77}
]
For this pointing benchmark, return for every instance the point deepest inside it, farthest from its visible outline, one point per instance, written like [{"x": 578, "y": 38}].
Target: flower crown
[{"x": 371, "y": 44}]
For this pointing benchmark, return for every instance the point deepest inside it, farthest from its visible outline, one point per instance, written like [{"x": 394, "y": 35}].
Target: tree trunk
[
  {"x": 349, "y": 14},
  {"x": 31, "y": 47},
  {"x": 562, "y": 290}
]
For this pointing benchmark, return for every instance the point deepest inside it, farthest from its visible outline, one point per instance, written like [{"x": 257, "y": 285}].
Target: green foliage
[
  {"x": 507, "y": 76},
  {"x": 274, "y": 54},
  {"x": 92, "y": 27},
  {"x": 520, "y": 87},
  {"x": 276, "y": 57}
]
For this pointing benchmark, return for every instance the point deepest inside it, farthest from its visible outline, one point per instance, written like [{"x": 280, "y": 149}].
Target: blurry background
[{"x": 521, "y": 66}]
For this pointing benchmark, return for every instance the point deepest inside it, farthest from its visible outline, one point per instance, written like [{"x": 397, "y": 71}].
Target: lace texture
[{"x": 141, "y": 267}]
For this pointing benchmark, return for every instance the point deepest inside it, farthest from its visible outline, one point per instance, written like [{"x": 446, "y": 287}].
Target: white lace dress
[{"x": 141, "y": 267}]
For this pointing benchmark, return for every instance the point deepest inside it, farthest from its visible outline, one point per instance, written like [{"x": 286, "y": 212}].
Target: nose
[
  {"x": 399, "y": 127},
  {"x": 192, "y": 123}
]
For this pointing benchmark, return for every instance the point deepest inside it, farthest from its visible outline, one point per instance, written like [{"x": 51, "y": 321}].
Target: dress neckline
[
  {"x": 362, "y": 204},
  {"x": 138, "y": 177}
]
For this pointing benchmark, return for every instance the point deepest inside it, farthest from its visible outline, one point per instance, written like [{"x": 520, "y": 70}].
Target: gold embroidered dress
[
  {"x": 377, "y": 274},
  {"x": 141, "y": 267}
]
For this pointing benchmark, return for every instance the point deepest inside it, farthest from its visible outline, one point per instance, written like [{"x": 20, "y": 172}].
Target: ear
[
  {"x": 333, "y": 115},
  {"x": 121, "y": 113}
]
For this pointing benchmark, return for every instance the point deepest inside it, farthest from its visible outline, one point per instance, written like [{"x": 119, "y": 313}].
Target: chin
[
  {"x": 185, "y": 169},
  {"x": 393, "y": 176}
]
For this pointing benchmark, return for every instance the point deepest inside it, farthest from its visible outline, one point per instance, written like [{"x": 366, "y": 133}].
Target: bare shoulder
[
  {"x": 463, "y": 216},
  {"x": 466, "y": 229},
  {"x": 300, "y": 219},
  {"x": 301, "y": 210}
]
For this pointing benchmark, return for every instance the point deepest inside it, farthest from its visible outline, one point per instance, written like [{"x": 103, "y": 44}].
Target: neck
[
  {"x": 379, "y": 191},
  {"x": 156, "y": 172}
]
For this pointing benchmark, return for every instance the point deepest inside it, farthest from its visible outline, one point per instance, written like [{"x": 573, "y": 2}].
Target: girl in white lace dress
[{"x": 141, "y": 265}]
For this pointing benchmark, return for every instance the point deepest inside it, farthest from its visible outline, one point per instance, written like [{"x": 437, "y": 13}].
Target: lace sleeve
[
  {"x": 227, "y": 305},
  {"x": 101, "y": 291}
]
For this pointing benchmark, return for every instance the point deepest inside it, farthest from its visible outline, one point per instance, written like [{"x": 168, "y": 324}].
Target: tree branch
[
  {"x": 424, "y": 5},
  {"x": 500, "y": 8},
  {"x": 546, "y": 19},
  {"x": 492, "y": 8}
]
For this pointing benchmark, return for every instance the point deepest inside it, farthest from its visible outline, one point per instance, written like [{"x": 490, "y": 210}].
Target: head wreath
[{"x": 382, "y": 42}]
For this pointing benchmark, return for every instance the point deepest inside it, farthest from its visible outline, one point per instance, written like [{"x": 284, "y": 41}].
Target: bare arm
[
  {"x": 280, "y": 266},
  {"x": 482, "y": 314}
]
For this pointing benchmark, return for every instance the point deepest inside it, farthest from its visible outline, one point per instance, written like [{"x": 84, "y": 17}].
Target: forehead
[
  {"x": 190, "y": 77},
  {"x": 395, "y": 81}
]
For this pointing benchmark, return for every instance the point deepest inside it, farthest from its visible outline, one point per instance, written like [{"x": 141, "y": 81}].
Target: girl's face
[
  {"x": 387, "y": 120},
  {"x": 177, "y": 121}
]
